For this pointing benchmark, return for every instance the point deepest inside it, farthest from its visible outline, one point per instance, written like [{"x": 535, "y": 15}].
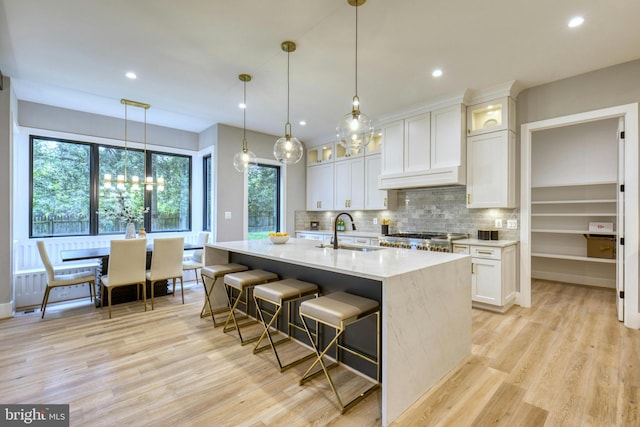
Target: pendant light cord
[
  {"x": 357, "y": 51},
  {"x": 244, "y": 119},
  {"x": 287, "y": 126},
  {"x": 125, "y": 141}
]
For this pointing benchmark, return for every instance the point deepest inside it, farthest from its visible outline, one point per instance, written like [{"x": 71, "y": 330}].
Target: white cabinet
[
  {"x": 320, "y": 153},
  {"x": 491, "y": 176},
  {"x": 447, "y": 138},
  {"x": 349, "y": 184},
  {"x": 493, "y": 275},
  {"x": 425, "y": 150},
  {"x": 393, "y": 148},
  {"x": 417, "y": 135},
  {"x": 491, "y": 154},
  {"x": 491, "y": 116},
  {"x": 320, "y": 187},
  {"x": 374, "y": 198}
]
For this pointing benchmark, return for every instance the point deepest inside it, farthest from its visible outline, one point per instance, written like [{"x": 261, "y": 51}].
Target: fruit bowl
[{"x": 278, "y": 240}]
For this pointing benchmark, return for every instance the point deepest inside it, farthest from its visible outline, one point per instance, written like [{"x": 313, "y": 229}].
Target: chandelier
[{"x": 122, "y": 180}]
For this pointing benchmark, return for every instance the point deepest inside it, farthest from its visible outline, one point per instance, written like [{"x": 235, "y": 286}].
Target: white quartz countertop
[
  {"x": 478, "y": 242},
  {"x": 377, "y": 265}
]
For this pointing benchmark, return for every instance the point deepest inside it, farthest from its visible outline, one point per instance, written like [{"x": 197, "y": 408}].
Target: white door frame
[{"x": 631, "y": 166}]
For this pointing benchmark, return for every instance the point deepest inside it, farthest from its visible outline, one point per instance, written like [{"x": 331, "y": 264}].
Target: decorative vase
[
  {"x": 131, "y": 231},
  {"x": 142, "y": 234}
]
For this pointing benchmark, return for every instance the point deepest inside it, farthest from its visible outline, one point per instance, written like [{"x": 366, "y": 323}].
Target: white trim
[
  {"x": 6, "y": 310},
  {"x": 632, "y": 244}
]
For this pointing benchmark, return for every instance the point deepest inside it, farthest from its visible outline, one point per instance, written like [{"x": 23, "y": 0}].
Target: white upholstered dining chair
[
  {"x": 166, "y": 263},
  {"x": 127, "y": 266},
  {"x": 196, "y": 260},
  {"x": 56, "y": 280}
]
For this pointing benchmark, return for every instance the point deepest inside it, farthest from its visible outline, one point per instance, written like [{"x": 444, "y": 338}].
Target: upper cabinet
[
  {"x": 320, "y": 191},
  {"x": 491, "y": 174},
  {"x": 491, "y": 116},
  {"x": 491, "y": 154},
  {"x": 320, "y": 153},
  {"x": 425, "y": 150},
  {"x": 349, "y": 184}
]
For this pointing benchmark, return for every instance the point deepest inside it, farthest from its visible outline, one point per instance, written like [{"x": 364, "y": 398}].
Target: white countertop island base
[{"x": 425, "y": 297}]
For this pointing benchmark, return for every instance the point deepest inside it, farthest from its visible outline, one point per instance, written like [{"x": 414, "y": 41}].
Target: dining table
[{"x": 124, "y": 293}]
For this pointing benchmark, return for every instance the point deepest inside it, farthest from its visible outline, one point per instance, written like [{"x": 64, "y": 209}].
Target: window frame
[
  {"x": 207, "y": 172},
  {"x": 94, "y": 180},
  {"x": 280, "y": 194}
]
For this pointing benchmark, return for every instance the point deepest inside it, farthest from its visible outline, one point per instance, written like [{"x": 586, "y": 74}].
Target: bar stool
[
  {"x": 277, "y": 294},
  {"x": 339, "y": 310},
  {"x": 215, "y": 272},
  {"x": 243, "y": 282}
]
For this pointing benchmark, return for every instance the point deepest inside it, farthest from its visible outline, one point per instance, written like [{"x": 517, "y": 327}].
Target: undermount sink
[{"x": 352, "y": 248}]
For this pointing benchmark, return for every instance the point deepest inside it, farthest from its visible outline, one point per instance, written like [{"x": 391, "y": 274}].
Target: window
[
  {"x": 60, "y": 202},
  {"x": 263, "y": 200},
  {"x": 68, "y": 189},
  {"x": 206, "y": 188}
]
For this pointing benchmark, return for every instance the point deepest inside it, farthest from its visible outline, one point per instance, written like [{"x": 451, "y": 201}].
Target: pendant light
[
  {"x": 288, "y": 150},
  {"x": 355, "y": 130},
  {"x": 122, "y": 180},
  {"x": 244, "y": 158}
]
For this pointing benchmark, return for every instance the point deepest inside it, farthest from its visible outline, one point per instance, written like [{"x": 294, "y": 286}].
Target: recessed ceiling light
[
  {"x": 131, "y": 75},
  {"x": 242, "y": 105},
  {"x": 437, "y": 72},
  {"x": 302, "y": 123},
  {"x": 576, "y": 21}
]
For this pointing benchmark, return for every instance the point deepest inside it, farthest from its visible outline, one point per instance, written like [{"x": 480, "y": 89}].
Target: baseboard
[{"x": 6, "y": 310}]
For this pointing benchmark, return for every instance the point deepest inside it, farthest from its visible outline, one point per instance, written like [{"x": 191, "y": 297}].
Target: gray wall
[
  {"x": 229, "y": 183},
  {"x": 608, "y": 87},
  {"x": 8, "y": 108},
  {"x": 47, "y": 117}
]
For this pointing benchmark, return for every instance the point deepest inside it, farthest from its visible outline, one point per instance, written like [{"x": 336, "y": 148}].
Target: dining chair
[
  {"x": 127, "y": 266},
  {"x": 57, "y": 280},
  {"x": 196, "y": 260},
  {"x": 166, "y": 263}
]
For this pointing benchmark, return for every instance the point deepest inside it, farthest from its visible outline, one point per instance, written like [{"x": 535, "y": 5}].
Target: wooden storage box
[{"x": 601, "y": 246}]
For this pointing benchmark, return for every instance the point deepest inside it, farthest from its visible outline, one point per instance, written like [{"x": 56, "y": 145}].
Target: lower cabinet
[{"x": 493, "y": 275}]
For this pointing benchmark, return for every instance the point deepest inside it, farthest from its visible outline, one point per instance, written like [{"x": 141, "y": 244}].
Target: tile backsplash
[{"x": 428, "y": 209}]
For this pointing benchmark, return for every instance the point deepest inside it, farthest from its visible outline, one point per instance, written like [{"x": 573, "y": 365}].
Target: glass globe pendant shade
[
  {"x": 243, "y": 159},
  {"x": 288, "y": 150},
  {"x": 354, "y": 132}
]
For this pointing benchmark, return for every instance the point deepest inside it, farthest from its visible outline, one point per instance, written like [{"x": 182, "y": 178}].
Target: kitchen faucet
[{"x": 335, "y": 227}]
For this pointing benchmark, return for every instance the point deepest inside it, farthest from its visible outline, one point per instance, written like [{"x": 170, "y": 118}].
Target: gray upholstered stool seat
[
  {"x": 339, "y": 310},
  {"x": 243, "y": 282},
  {"x": 215, "y": 273},
  {"x": 277, "y": 294}
]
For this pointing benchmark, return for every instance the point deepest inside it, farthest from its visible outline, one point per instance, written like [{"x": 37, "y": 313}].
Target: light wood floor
[{"x": 565, "y": 362}]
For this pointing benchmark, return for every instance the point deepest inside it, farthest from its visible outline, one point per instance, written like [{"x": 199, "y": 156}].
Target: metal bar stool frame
[
  {"x": 245, "y": 289},
  {"x": 335, "y": 342},
  {"x": 207, "y": 292},
  {"x": 290, "y": 324}
]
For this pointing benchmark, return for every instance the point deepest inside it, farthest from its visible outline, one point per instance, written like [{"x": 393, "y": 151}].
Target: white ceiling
[{"x": 188, "y": 54}]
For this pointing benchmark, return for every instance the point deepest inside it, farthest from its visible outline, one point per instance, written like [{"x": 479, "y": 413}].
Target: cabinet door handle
[
  {"x": 385, "y": 202},
  {"x": 468, "y": 198},
  {"x": 486, "y": 252}
]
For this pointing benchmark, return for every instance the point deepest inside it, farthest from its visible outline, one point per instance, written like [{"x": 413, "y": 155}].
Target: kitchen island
[{"x": 425, "y": 302}]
